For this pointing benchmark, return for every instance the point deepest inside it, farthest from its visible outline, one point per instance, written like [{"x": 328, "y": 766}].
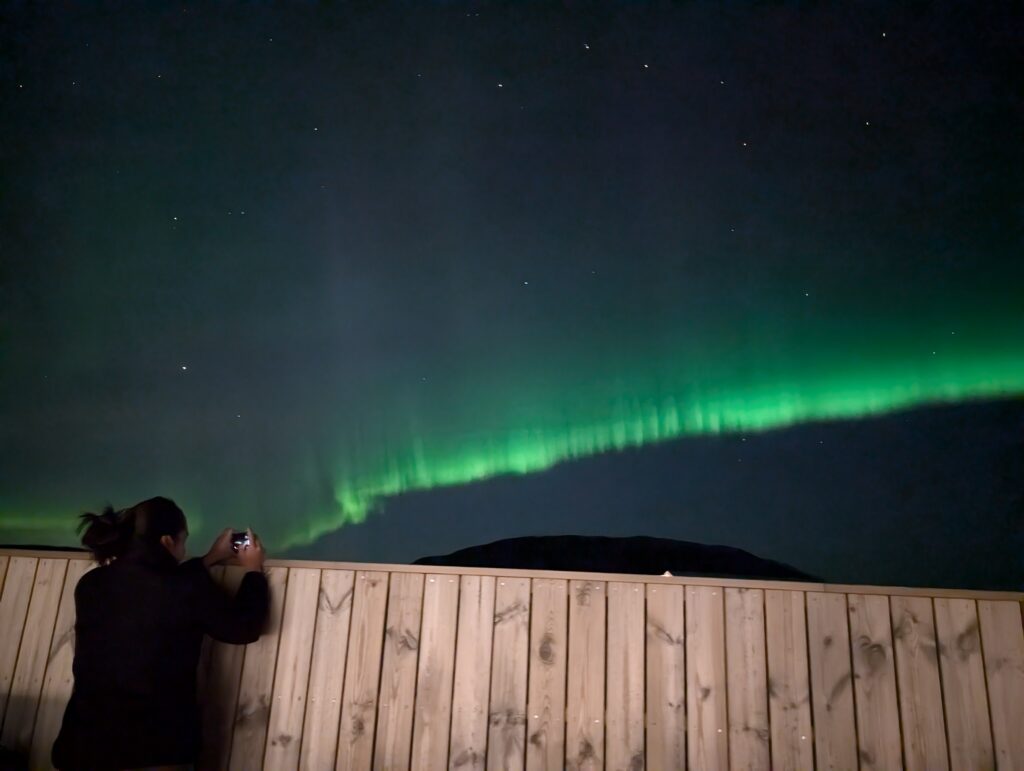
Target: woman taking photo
[{"x": 141, "y": 617}]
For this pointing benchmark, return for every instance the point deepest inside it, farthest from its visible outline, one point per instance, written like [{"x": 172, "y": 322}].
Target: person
[{"x": 141, "y": 617}]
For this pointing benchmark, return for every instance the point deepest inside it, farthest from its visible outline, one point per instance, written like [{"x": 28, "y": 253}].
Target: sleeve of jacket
[{"x": 239, "y": 619}]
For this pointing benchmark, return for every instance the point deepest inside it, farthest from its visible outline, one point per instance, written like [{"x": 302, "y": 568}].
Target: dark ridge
[{"x": 599, "y": 554}]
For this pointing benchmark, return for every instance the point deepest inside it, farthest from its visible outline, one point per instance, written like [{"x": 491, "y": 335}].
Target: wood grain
[
  {"x": 291, "y": 674},
  {"x": 788, "y": 680},
  {"x": 327, "y": 670},
  {"x": 706, "y": 693},
  {"x": 506, "y": 737},
  {"x": 625, "y": 688},
  {"x": 471, "y": 689},
  {"x": 256, "y": 686},
  {"x": 747, "y": 676},
  {"x": 398, "y": 674},
  {"x": 920, "y": 692},
  {"x": 432, "y": 722},
  {"x": 1003, "y": 644},
  {"x": 878, "y": 718},
  {"x": 666, "y": 678},
  {"x": 362, "y": 672},
  {"x": 545, "y": 745},
  {"x": 831, "y": 679}
]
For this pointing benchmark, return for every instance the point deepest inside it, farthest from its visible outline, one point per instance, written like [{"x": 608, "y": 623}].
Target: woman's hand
[
  {"x": 251, "y": 557},
  {"x": 221, "y": 550}
]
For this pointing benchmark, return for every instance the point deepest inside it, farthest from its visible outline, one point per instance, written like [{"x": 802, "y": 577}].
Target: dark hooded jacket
[{"x": 138, "y": 633}]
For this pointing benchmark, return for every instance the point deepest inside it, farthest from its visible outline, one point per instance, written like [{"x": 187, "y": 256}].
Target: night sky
[{"x": 385, "y": 281}]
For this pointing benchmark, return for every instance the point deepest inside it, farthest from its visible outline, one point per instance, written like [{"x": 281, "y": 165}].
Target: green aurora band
[{"x": 582, "y": 429}]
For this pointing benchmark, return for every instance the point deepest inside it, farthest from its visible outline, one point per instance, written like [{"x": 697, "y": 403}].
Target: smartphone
[{"x": 239, "y": 540}]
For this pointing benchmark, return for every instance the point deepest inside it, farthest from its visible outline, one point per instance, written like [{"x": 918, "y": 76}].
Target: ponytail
[
  {"x": 107, "y": 535},
  {"x": 110, "y": 534}
]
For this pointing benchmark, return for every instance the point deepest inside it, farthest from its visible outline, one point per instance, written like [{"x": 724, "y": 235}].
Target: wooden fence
[{"x": 396, "y": 667}]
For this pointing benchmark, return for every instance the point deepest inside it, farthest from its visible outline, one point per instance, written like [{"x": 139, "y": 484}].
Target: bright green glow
[{"x": 585, "y": 426}]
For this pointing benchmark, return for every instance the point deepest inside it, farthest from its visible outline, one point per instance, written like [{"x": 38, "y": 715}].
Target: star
[
  {"x": 175, "y": 219},
  {"x": 647, "y": 66},
  {"x": 183, "y": 368},
  {"x": 744, "y": 144},
  {"x": 867, "y": 123},
  {"x": 586, "y": 46},
  {"x": 526, "y": 283},
  {"x": 501, "y": 85}
]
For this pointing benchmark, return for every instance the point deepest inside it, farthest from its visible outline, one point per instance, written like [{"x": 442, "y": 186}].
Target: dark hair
[{"x": 110, "y": 534}]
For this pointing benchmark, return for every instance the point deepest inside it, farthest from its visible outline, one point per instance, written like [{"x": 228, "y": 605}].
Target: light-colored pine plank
[
  {"x": 835, "y": 736},
  {"x": 506, "y": 737},
  {"x": 1002, "y": 638},
  {"x": 789, "y": 702},
  {"x": 291, "y": 674},
  {"x": 222, "y": 679},
  {"x": 58, "y": 681},
  {"x": 471, "y": 689},
  {"x": 666, "y": 678},
  {"x": 624, "y": 732},
  {"x": 398, "y": 678},
  {"x": 4, "y": 559},
  {"x": 14, "y": 600},
  {"x": 545, "y": 711},
  {"x": 436, "y": 669},
  {"x": 706, "y": 692},
  {"x": 327, "y": 670},
  {"x": 584, "y": 714},
  {"x": 963, "y": 684},
  {"x": 920, "y": 693},
  {"x": 35, "y": 645},
  {"x": 878, "y": 717},
  {"x": 362, "y": 672},
  {"x": 747, "y": 678},
  {"x": 248, "y": 742}
]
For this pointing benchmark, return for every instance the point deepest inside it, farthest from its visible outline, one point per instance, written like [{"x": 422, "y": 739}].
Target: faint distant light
[
  {"x": 183, "y": 368},
  {"x": 501, "y": 85}
]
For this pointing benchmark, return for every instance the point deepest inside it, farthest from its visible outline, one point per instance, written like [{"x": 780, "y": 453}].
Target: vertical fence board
[
  {"x": 291, "y": 674},
  {"x": 58, "y": 679},
  {"x": 747, "y": 676},
  {"x": 506, "y": 738},
  {"x": 878, "y": 718},
  {"x": 666, "y": 678},
  {"x": 584, "y": 713},
  {"x": 397, "y": 694},
  {"x": 27, "y": 683},
  {"x": 435, "y": 673},
  {"x": 362, "y": 672},
  {"x": 835, "y": 736},
  {"x": 706, "y": 693},
  {"x": 223, "y": 676},
  {"x": 545, "y": 746},
  {"x": 327, "y": 670},
  {"x": 1003, "y": 644},
  {"x": 468, "y": 747},
  {"x": 4, "y": 559},
  {"x": 789, "y": 699},
  {"x": 917, "y": 675},
  {"x": 255, "y": 688},
  {"x": 17, "y": 592},
  {"x": 963, "y": 685},
  {"x": 625, "y": 688}
]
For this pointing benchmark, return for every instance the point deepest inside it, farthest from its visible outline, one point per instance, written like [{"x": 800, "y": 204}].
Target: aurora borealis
[{"x": 327, "y": 268}]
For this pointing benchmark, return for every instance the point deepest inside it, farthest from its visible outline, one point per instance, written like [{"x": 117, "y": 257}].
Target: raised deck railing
[{"x": 397, "y": 666}]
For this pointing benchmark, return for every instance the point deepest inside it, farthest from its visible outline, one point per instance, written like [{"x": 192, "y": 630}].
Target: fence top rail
[{"x": 740, "y": 583}]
